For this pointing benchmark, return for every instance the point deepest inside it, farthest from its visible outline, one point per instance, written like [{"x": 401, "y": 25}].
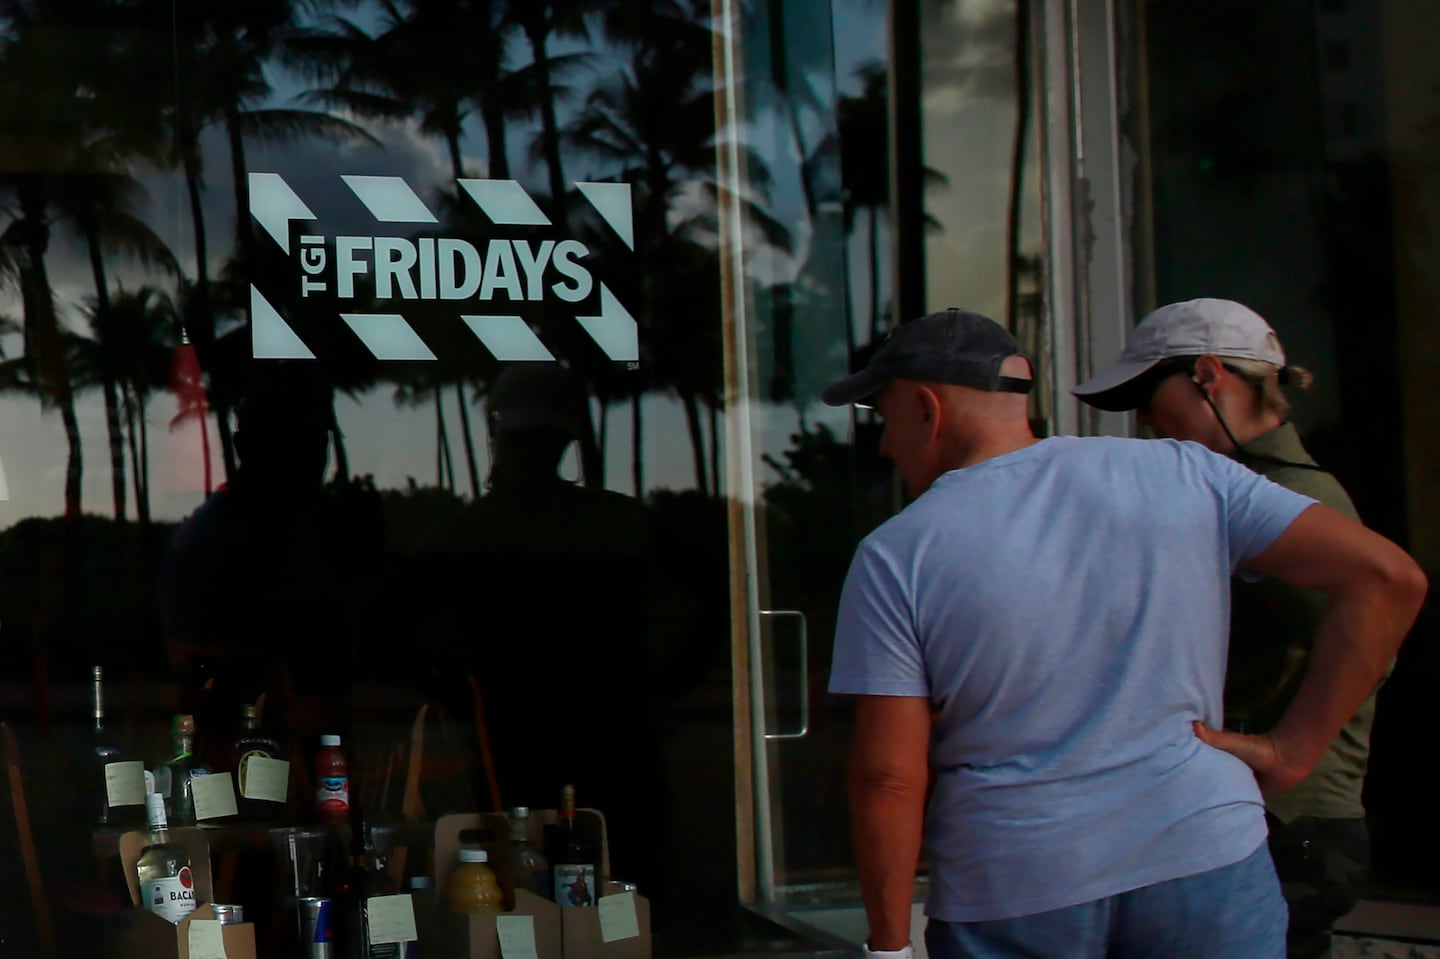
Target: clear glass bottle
[
  {"x": 167, "y": 887},
  {"x": 101, "y": 752},
  {"x": 531, "y": 868}
]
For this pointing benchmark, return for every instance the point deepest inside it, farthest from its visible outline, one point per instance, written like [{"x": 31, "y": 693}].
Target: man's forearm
[
  {"x": 1354, "y": 646},
  {"x": 888, "y": 818}
]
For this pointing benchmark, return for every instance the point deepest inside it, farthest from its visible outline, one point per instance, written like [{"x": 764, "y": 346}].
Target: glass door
[
  {"x": 804, "y": 274},
  {"x": 838, "y": 220}
]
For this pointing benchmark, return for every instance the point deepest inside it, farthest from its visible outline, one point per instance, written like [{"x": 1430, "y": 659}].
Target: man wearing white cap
[{"x": 1213, "y": 371}]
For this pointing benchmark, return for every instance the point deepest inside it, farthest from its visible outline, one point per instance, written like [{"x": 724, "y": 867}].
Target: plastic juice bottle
[
  {"x": 473, "y": 886},
  {"x": 332, "y": 779}
]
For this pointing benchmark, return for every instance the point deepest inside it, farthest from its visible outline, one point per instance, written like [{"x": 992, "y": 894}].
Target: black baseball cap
[{"x": 954, "y": 346}]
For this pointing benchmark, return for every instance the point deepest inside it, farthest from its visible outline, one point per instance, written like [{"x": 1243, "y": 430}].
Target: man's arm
[
  {"x": 888, "y": 775},
  {"x": 1375, "y": 591}
]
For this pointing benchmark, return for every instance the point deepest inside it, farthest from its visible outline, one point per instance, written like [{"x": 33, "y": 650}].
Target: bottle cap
[
  {"x": 474, "y": 855},
  {"x": 420, "y": 882},
  {"x": 520, "y": 812},
  {"x": 248, "y": 711},
  {"x": 185, "y": 725},
  {"x": 329, "y": 739}
]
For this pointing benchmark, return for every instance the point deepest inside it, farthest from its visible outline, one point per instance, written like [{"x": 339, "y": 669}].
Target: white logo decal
[{"x": 440, "y": 269}]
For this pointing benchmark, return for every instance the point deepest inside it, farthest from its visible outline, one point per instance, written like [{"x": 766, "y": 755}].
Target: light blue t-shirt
[{"x": 1066, "y": 609}]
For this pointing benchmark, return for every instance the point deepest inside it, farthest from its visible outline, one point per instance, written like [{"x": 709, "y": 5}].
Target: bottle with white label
[{"x": 167, "y": 887}]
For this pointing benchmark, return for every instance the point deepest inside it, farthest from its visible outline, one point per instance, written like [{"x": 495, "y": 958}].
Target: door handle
[{"x": 804, "y": 672}]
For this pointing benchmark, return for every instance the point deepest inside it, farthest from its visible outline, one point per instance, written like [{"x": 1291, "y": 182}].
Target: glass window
[{"x": 362, "y": 357}]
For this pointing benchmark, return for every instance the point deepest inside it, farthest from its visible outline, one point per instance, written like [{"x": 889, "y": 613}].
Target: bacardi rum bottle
[{"x": 166, "y": 885}]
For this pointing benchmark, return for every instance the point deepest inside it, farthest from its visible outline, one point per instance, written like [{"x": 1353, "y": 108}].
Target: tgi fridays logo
[{"x": 480, "y": 281}]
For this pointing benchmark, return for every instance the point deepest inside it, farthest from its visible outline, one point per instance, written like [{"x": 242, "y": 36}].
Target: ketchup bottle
[{"x": 332, "y": 782}]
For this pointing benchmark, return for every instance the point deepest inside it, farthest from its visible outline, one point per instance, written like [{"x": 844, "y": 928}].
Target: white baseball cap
[{"x": 1221, "y": 328}]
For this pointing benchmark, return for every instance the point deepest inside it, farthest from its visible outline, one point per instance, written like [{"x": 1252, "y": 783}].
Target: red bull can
[{"x": 317, "y": 928}]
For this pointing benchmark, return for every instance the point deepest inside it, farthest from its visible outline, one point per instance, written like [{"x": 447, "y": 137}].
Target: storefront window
[{"x": 365, "y": 357}]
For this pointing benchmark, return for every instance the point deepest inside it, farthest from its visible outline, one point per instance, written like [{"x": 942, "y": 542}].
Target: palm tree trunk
[
  {"x": 1017, "y": 162},
  {"x": 637, "y": 446},
  {"x": 143, "y": 469},
  {"x": 337, "y": 441},
  {"x": 204, "y": 421},
  {"x": 493, "y": 117},
  {"x": 137, "y": 473},
  {"x": 444, "y": 461},
  {"x": 697, "y": 440},
  {"x": 471, "y": 463},
  {"x": 549, "y": 126},
  {"x": 241, "y": 178},
  {"x": 107, "y": 376},
  {"x": 204, "y": 335},
  {"x": 45, "y": 341}
]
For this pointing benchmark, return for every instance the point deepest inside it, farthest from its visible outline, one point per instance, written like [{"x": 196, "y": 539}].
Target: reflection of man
[
  {"x": 1059, "y": 605},
  {"x": 548, "y": 582},
  {"x": 250, "y": 585}
]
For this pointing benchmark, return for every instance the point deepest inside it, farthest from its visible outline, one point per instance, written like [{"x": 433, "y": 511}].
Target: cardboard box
[
  {"x": 151, "y": 937},
  {"x": 559, "y": 933}
]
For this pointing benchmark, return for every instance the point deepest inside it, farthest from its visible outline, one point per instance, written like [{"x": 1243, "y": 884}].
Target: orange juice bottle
[{"x": 473, "y": 885}]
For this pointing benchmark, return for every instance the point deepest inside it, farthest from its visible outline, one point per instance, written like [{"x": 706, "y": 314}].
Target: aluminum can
[{"x": 317, "y": 928}]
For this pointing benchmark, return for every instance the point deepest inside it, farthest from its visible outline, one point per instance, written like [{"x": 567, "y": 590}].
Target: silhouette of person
[
  {"x": 253, "y": 584},
  {"x": 549, "y": 585}
]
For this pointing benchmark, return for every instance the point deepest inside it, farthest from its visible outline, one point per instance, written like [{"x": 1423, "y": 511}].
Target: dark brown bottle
[{"x": 574, "y": 866}]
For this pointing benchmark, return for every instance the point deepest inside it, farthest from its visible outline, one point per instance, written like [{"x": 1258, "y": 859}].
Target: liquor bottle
[
  {"x": 252, "y": 743},
  {"x": 183, "y": 767},
  {"x": 166, "y": 885},
  {"x": 101, "y": 754},
  {"x": 363, "y": 876},
  {"x": 529, "y": 865},
  {"x": 574, "y": 867}
]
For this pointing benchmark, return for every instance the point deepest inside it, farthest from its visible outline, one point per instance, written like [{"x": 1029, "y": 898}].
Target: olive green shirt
[{"x": 1272, "y": 632}]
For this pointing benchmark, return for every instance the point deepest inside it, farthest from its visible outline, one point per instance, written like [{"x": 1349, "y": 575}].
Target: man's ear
[{"x": 930, "y": 404}]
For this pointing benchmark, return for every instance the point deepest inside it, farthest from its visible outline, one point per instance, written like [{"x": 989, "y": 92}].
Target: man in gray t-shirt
[{"x": 1045, "y": 626}]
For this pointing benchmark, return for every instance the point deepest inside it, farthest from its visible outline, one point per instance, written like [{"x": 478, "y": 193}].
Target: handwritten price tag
[
  {"x": 207, "y": 939},
  {"x": 265, "y": 779},
  {"x": 391, "y": 919},
  {"x": 214, "y": 796},
  {"x": 617, "y": 917},
  {"x": 125, "y": 784},
  {"x": 517, "y": 937}
]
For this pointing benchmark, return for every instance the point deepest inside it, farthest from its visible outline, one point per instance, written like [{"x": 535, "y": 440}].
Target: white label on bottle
[
  {"x": 333, "y": 795},
  {"x": 618, "y": 919},
  {"x": 574, "y": 884},
  {"x": 125, "y": 784},
  {"x": 206, "y": 938},
  {"x": 391, "y": 919},
  {"x": 264, "y": 778},
  {"x": 517, "y": 937},
  {"x": 214, "y": 796},
  {"x": 172, "y": 899}
]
